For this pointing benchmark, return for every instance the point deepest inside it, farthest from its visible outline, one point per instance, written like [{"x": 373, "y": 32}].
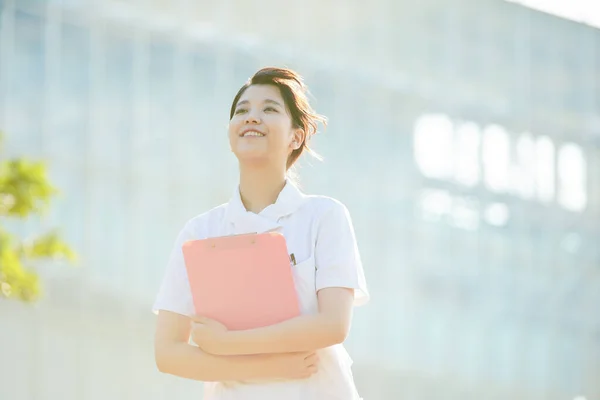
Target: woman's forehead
[{"x": 261, "y": 93}]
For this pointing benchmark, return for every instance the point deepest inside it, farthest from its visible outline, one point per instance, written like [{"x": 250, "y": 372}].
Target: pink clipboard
[{"x": 242, "y": 281}]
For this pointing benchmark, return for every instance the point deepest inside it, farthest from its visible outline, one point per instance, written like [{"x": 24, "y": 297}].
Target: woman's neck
[{"x": 260, "y": 187}]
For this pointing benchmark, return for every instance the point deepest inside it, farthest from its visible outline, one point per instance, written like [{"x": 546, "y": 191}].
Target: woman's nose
[{"x": 252, "y": 118}]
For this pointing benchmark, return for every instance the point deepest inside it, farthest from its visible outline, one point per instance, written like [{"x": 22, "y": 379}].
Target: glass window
[
  {"x": 199, "y": 136},
  {"x": 110, "y": 76},
  {"x": 435, "y": 204},
  {"x": 245, "y": 63},
  {"x": 475, "y": 349},
  {"x": 106, "y": 231},
  {"x": 567, "y": 358},
  {"x": 506, "y": 353},
  {"x": 25, "y": 107},
  {"x": 465, "y": 213},
  {"x": 467, "y": 148},
  {"x": 497, "y": 214},
  {"x": 544, "y": 169},
  {"x": 496, "y": 158},
  {"x": 117, "y": 99},
  {"x": 70, "y": 123},
  {"x": 433, "y": 144},
  {"x": 572, "y": 179},
  {"x": 155, "y": 102},
  {"x": 155, "y": 232},
  {"x": 69, "y": 206},
  {"x": 523, "y": 173}
]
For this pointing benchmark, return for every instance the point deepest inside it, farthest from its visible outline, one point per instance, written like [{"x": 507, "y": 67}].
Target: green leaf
[
  {"x": 49, "y": 245},
  {"x": 25, "y": 191},
  {"x": 15, "y": 280},
  {"x": 24, "y": 188}
]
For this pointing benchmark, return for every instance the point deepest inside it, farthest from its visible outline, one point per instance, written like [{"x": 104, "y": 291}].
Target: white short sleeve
[
  {"x": 337, "y": 257},
  {"x": 175, "y": 294}
]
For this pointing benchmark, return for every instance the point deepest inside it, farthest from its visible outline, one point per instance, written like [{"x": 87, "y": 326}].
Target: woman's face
[{"x": 260, "y": 131}]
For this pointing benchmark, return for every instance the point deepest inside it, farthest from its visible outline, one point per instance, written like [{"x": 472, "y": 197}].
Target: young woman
[{"x": 271, "y": 123}]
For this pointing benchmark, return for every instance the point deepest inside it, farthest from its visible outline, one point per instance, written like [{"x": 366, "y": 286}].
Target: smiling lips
[{"x": 251, "y": 133}]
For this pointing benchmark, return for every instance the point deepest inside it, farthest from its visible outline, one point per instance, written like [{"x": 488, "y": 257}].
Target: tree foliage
[{"x": 25, "y": 191}]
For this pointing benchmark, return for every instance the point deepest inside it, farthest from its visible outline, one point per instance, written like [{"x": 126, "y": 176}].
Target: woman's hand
[
  {"x": 209, "y": 335},
  {"x": 294, "y": 365}
]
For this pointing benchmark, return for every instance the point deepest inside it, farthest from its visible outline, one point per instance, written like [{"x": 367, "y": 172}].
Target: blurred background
[{"x": 464, "y": 137}]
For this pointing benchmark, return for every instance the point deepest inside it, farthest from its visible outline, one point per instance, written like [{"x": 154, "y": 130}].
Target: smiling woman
[
  {"x": 276, "y": 97},
  {"x": 259, "y": 130},
  {"x": 271, "y": 124}
]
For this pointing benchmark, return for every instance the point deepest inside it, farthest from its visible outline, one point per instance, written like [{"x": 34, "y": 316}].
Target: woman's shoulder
[
  {"x": 328, "y": 213},
  {"x": 323, "y": 205},
  {"x": 206, "y": 221}
]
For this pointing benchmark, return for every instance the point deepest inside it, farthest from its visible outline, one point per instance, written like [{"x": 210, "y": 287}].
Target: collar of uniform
[{"x": 289, "y": 200}]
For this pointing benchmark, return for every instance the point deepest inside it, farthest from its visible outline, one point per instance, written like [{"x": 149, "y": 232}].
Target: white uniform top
[{"x": 319, "y": 232}]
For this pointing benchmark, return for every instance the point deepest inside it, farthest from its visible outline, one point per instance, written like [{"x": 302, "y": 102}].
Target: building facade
[{"x": 463, "y": 137}]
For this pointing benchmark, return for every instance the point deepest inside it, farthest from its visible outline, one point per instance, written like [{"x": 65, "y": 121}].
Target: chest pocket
[{"x": 305, "y": 275}]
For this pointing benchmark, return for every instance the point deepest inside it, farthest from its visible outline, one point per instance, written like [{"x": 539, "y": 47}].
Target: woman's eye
[
  {"x": 240, "y": 110},
  {"x": 271, "y": 109}
]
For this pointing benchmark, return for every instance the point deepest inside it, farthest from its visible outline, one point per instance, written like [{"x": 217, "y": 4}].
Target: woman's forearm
[
  {"x": 304, "y": 333},
  {"x": 187, "y": 361},
  {"x": 311, "y": 332}
]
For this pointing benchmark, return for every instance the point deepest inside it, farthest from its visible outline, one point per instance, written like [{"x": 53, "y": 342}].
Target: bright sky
[{"x": 586, "y": 11}]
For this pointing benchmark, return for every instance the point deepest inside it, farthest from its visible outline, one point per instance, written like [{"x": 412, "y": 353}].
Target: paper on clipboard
[{"x": 242, "y": 281}]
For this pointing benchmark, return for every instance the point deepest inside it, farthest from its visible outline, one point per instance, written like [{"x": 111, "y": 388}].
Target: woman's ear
[{"x": 298, "y": 139}]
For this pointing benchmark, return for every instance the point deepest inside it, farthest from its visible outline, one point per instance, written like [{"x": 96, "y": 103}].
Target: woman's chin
[{"x": 252, "y": 159}]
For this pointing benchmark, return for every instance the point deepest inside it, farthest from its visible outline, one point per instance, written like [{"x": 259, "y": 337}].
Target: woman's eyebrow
[
  {"x": 267, "y": 101},
  {"x": 273, "y": 102}
]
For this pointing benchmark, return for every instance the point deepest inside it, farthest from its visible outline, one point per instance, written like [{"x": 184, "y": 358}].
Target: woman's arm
[
  {"x": 328, "y": 327},
  {"x": 175, "y": 356}
]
